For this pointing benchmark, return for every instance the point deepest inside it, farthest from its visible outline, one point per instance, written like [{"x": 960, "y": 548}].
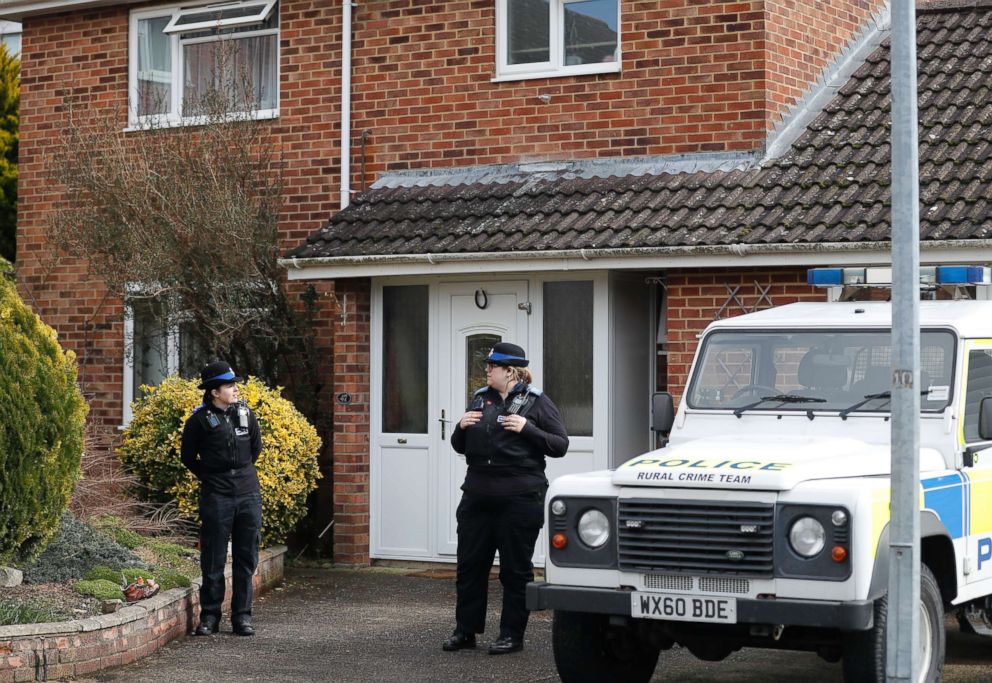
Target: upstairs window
[
  {"x": 180, "y": 56},
  {"x": 542, "y": 38}
]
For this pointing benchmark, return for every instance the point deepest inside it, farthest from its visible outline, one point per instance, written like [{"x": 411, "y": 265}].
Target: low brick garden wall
[{"x": 48, "y": 652}]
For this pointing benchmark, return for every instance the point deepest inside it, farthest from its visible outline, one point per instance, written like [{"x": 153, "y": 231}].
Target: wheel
[
  {"x": 585, "y": 652},
  {"x": 864, "y": 652},
  {"x": 755, "y": 390}
]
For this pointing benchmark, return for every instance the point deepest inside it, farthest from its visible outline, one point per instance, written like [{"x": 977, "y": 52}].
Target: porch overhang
[{"x": 642, "y": 258}]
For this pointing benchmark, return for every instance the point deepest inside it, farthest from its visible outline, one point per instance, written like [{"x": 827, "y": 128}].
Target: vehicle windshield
[{"x": 843, "y": 368}]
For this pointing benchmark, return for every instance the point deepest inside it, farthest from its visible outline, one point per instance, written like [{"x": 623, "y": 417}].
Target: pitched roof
[{"x": 832, "y": 186}]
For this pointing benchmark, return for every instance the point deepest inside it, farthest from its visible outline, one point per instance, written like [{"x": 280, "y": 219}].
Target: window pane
[
  {"x": 477, "y": 349},
  {"x": 154, "y": 67},
  {"x": 528, "y": 31},
  {"x": 242, "y": 71},
  {"x": 404, "y": 359},
  {"x": 192, "y": 354},
  {"x": 149, "y": 346},
  {"x": 979, "y": 386},
  {"x": 568, "y": 352},
  {"x": 590, "y": 32}
]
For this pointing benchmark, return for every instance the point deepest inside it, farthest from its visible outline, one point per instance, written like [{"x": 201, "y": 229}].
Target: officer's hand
[
  {"x": 514, "y": 423},
  {"x": 470, "y": 418}
]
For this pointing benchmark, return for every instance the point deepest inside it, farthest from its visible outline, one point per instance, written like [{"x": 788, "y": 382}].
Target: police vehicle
[{"x": 763, "y": 521}]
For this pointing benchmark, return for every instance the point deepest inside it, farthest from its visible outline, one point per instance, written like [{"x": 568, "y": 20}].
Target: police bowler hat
[
  {"x": 217, "y": 374},
  {"x": 505, "y": 353}
]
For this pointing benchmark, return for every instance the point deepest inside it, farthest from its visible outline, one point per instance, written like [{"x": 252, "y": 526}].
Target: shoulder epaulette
[
  {"x": 199, "y": 408},
  {"x": 481, "y": 390}
]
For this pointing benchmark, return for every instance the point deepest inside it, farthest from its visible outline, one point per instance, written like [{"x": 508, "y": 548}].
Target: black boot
[
  {"x": 242, "y": 626},
  {"x": 208, "y": 625},
  {"x": 459, "y": 641},
  {"x": 505, "y": 645}
]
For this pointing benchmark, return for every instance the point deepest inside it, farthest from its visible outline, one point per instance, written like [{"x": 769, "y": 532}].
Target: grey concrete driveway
[{"x": 352, "y": 626}]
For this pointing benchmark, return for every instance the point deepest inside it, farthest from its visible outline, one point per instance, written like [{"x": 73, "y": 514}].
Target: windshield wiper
[
  {"x": 781, "y": 398},
  {"x": 871, "y": 397}
]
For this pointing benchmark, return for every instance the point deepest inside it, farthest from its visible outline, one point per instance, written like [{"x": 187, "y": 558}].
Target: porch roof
[{"x": 831, "y": 189}]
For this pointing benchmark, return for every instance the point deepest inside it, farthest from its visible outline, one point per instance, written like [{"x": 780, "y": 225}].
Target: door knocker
[{"x": 481, "y": 299}]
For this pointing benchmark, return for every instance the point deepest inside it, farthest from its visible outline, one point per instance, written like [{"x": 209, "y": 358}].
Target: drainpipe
[{"x": 345, "y": 103}]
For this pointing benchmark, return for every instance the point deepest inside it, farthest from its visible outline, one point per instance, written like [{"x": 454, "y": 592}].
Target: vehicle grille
[{"x": 698, "y": 537}]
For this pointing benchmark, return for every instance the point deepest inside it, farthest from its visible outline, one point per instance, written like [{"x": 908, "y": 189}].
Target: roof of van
[{"x": 969, "y": 318}]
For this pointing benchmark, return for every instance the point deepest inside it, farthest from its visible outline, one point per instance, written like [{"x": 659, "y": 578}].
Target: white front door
[{"x": 472, "y": 317}]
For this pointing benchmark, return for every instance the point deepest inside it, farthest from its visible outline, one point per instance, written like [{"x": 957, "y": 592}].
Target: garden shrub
[
  {"x": 116, "y": 528},
  {"x": 287, "y": 467},
  {"x": 99, "y": 588},
  {"x": 42, "y": 414},
  {"x": 77, "y": 549},
  {"x": 170, "y": 578},
  {"x": 105, "y": 573}
]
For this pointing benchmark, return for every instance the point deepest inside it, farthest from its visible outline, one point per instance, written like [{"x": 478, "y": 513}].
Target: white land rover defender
[{"x": 763, "y": 522}]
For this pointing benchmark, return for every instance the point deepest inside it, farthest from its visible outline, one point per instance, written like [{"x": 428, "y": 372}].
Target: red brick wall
[
  {"x": 695, "y": 297},
  {"x": 351, "y": 422},
  {"x": 802, "y": 39},
  {"x": 697, "y": 77}
]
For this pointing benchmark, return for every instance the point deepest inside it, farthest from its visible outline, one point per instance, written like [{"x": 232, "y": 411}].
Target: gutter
[
  {"x": 346, "y": 103},
  {"x": 728, "y": 255}
]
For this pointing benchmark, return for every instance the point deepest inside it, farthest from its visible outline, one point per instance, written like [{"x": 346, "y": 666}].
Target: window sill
[
  {"x": 193, "y": 121},
  {"x": 583, "y": 70}
]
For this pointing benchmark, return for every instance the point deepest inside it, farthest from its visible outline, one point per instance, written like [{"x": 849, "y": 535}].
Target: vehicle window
[
  {"x": 979, "y": 385},
  {"x": 839, "y": 367}
]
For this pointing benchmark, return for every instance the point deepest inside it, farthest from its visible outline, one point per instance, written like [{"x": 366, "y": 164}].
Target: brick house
[{"x": 594, "y": 180}]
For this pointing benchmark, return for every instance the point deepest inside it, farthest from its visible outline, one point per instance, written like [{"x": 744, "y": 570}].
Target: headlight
[
  {"x": 594, "y": 528},
  {"x": 807, "y": 536},
  {"x": 558, "y": 507}
]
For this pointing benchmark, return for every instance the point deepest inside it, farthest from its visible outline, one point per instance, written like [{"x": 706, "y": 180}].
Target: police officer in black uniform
[
  {"x": 505, "y": 434},
  {"x": 220, "y": 445}
]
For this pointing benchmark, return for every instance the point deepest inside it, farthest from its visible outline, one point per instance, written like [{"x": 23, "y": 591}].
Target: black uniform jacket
[
  {"x": 493, "y": 452},
  {"x": 220, "y": 452}
]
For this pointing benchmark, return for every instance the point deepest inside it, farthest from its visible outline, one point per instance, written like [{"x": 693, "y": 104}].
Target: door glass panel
[
  {"x": 477, "y": 347},
  {"x": 404, "y": 354},
  {"x": 568, "y": 352}
]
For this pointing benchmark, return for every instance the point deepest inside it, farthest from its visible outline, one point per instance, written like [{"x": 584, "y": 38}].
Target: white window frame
[
  {"x": 175, "y": 117},
  {"x": 555, "y": 67},
  {"x": 265, "y": 8}
]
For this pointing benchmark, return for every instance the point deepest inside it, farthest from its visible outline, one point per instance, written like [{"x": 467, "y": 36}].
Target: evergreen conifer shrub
[
  {"x": 287, "y": 467},
  {"x": 42, "y": 415}
]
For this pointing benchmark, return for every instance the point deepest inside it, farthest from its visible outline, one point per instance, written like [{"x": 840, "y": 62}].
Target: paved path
[{"x": 357, "y": 626}]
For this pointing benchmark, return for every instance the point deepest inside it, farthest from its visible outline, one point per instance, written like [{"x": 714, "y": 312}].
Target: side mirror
[
  {"x": 663, "y": 412},
  {"x": 985, "y": 419}
]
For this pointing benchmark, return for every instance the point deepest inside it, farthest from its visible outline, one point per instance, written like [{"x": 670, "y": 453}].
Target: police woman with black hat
[
  {"x": 508, "y": 429},
  {"x": 220, "y": 445}
]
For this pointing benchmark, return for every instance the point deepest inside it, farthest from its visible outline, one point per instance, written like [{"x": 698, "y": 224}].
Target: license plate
[{"x": 674, "y": 607}]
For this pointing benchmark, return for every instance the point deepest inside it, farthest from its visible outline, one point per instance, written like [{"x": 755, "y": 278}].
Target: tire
[
  {"x": 864, "y": 652},
  {"x": 584, "y": 652}
]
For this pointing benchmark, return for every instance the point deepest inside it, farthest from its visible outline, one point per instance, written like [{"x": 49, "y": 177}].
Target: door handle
[{"x": 443, "y": 422}]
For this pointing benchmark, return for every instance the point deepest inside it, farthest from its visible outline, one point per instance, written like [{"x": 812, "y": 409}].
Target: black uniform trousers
[
  {"x": 238, "y": 519},
  {"x": 509, "y": 524}
]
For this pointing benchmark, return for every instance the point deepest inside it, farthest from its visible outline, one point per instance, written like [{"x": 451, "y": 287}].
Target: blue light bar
[
  {"x": 833, "y": 277},
  {"x": 963, "y": 275},
  {"x": 825, "y": 277}
]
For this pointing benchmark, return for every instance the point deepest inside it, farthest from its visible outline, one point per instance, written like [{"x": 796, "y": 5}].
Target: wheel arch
[{"x": 936, "y": 551}]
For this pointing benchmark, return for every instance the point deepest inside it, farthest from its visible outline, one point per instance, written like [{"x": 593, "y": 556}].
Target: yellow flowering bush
[
  {"x": 287, "y": 467},
  {"x": 42, "y": 417}
]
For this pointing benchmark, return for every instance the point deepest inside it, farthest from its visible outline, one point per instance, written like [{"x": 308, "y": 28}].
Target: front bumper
[{"x": 854, "y": 615}]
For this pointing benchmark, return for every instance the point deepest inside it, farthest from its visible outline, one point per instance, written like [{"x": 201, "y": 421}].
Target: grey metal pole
[{"x": 903, "y": 624}]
